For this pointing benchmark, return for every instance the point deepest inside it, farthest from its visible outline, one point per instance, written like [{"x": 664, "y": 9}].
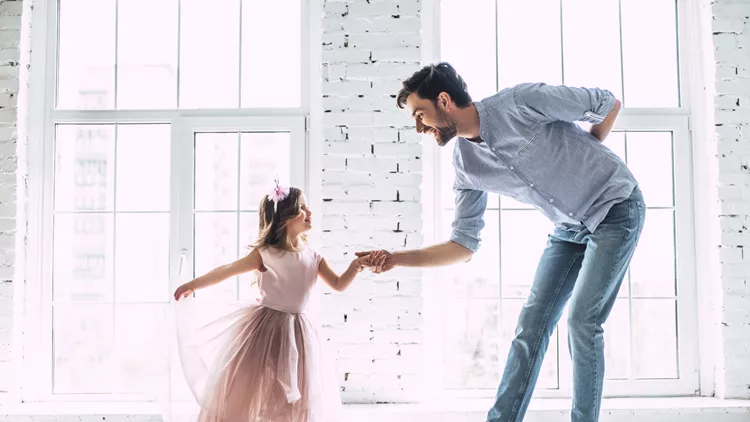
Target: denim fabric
[{"x": 586, "y": 269}]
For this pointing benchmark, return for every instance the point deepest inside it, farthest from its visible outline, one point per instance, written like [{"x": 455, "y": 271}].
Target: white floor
[{"x": 546, "y": 410}]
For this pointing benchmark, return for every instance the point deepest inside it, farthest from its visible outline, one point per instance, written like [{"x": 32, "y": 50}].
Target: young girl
[{"x": 270, "y": 367}]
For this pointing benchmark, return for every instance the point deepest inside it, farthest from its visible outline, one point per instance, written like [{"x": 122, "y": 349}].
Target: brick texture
[
  {"x": 731, "y": 40},
  {"x": 371, "y": 192},
  {"x": 10, "y": 76}
]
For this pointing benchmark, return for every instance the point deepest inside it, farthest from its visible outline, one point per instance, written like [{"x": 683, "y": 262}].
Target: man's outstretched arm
[
  {"x": 439, "y": 255},
  {"x": 468, "y": 222}
]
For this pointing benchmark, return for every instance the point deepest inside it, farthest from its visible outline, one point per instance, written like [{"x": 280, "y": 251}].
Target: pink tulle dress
[{"x": 264, "y": 362}]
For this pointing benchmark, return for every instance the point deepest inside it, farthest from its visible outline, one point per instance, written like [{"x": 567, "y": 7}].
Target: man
[{"x": 523, "y": 143}]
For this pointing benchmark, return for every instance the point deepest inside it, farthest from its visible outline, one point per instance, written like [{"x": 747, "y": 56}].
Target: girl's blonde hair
[{"x": 273, "y": 221}]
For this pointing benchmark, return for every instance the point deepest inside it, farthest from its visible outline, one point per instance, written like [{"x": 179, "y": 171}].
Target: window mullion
[
  {"x": 115, "y": 351},
  {"x": 239, "y": 54},
  {"x": 117, "y": 50},
  {"x": 179, "y": 50},
  {"x": 500, "y": 304}
]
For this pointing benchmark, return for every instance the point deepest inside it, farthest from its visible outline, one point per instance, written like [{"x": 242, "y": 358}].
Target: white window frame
[
  {"x": 37, "y": 362},
  {"x": 184, "y": 157},
  {"x": 694, "y": 379}
]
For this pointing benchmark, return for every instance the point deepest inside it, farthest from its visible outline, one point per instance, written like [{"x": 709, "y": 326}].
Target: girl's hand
[
  {"x": 184, "y": 291},
  {"x": 378, "y": 261},
  {"x": 359, "y": 264}
]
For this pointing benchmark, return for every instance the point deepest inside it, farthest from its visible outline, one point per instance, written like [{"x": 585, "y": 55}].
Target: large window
[
  {"x": 630, "y": 48},
  {"x": 165, "y": 123}
]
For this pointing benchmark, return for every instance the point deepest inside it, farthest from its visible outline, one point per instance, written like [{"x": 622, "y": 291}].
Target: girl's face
[{"x": 303, "y": 222}]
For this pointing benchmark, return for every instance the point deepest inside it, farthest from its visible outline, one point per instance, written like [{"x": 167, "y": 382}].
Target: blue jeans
[{"x": 586, "y": 269}]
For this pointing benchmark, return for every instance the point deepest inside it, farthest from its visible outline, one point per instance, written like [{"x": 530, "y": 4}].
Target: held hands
[{"x": 378, "y": 261}]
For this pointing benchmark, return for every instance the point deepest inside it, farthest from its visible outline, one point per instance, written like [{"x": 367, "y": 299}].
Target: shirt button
[
  {"x": 531, "y": 185},
  {"x": 570, "y": 214},
  {"x": 551, "y": 201},
  {"x": 512, "y": 168}
]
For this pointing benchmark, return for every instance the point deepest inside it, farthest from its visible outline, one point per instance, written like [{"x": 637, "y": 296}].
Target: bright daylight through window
[
  {"x": 631, "y": 49},
  {"x": 163, "y": 94}
]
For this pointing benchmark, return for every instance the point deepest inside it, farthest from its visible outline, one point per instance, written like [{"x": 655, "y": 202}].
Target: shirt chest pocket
[
  {"x": 527, "y": 143},
  {"x": 521, "y": 138}
]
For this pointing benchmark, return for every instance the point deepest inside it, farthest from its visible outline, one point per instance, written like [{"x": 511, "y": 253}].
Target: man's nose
[{"x": 420, "y": 126}]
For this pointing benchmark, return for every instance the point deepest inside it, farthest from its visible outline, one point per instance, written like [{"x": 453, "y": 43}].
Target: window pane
[
  {"x": 617, "y": 341},
  {"x": 248, "y": 235},
  {"x": 84, "y": 167},
  {"x": 215, "y": 245},
  {"x": 263, "y": 156},
  {"x": 476, "y": 65},
  {"x": 655, "y": 339},
  {"x": 524, "y": 237},
  {"x": 82, "y": 336},
  {"x": 216, "y": 177},
  {"x": 601, "y": 18},
  {"x": 271, "y": 53},
  {"x": 86, "y": 76},
  {"x": 142, "y": 344},
  {"x": 248, "y": 231},
  {"x": 147, "y": 54},
  {"x": 480, "y": 276},
  {"x": 548, "y": 375},
  {"x": 652, "y": 270},
  {"x": 209, "y": 54},
  {"x": 83, "y": 257},
  {"x": 142, "y": 258},
  {"x": 650, "y": 160},
  {"x": 143, "y": 167},
  {"x": 510, "y": 203},
  {"x": 470, "y": 343},
  {"x": 649, "y": 50},
  {"x": 528, "y": 42}
]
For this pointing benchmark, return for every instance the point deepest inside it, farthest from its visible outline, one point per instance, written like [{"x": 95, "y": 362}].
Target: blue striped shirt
[{"x": 532, "y": 151}]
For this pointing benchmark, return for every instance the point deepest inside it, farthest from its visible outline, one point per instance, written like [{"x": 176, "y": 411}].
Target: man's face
[{"x": 431, "y": 119}]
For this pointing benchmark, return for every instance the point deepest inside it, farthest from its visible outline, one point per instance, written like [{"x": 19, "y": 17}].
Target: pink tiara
[{"x": 278, "y": 193}]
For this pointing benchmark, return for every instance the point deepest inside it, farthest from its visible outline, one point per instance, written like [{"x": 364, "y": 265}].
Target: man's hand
[
  {"x": 601, "y": 131},
  {"x": 378, "y": 261}
]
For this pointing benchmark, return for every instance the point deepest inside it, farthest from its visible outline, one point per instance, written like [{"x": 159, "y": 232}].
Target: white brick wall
[
  {"x": 731, "y": 28},
  {"x": 371, "y": 188},
  {"x": 10, "y": 60}
]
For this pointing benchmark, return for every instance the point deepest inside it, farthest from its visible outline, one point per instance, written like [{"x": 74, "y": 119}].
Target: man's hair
[{"x": 430, "y": 81}]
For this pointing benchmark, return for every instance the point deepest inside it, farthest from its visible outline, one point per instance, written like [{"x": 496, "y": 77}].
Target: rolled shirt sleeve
[
  {"x": 468, "y": 221},
  {"x": 543, "y": 103}
]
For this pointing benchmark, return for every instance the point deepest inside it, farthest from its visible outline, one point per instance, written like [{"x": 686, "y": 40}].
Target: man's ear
[{"x": 444, "y": 101}]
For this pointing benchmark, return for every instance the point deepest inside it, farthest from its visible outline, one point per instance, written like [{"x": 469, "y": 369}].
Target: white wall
[
  {"x": 13, "y": 76},
  {"x": 731, "y": 39},
  {"x": 371, "y": 188}
]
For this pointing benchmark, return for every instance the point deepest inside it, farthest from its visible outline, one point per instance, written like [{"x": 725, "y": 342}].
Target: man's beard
[{"x": 445, "y": 132}]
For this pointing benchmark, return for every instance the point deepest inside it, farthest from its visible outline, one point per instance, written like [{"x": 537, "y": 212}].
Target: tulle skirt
[{"x": 258, "y": 364}]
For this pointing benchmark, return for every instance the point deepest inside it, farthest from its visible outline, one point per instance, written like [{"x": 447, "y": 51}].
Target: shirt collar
[{"x": 482, "y": 112}]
